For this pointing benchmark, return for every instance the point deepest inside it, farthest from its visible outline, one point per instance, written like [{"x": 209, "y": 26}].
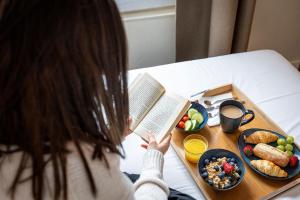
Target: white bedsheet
[{"x": 267, "y": 78}]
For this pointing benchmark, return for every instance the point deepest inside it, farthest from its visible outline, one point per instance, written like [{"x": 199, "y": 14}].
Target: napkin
[{"x": 214, "y": 121}]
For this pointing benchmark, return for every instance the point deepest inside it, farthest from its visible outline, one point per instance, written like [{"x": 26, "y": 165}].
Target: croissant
[
  {"x": 268, "y": 168},
  {"x": 270, "y": 153},
  {"x": 260, "y": 137}
]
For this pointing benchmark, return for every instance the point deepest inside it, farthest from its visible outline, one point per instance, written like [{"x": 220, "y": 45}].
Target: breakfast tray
[{"x": 253, "y": 185}]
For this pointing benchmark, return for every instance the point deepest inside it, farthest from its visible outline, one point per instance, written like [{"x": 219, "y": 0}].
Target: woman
[{"x": 64, "y": 104}]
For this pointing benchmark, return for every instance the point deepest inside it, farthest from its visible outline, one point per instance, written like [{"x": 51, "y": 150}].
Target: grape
[
  {"x": 289, "y": 147},
  {"x": 290, "y": 153},
  {"x": 281, "y": 147},
  {"x": 290, "y": 139},
  {"x": 281, "y": 141}
]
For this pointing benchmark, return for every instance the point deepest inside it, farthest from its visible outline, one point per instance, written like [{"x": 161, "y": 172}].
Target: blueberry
[
  {"x": 228, "y": 159},
  {"x": 232, "y": 160},
  {"x": 229, "y": 178},
  {"x": 238, "y": 170},
  {"x": 204, "y": 175},
  {"x": 210, "y": 182},
  {"x": 221, "y": 175},
  {"x": 227, "y": 185},
  {"x": 216, "y": 168},
  {"x": 231, "y": 163},
  {"x": 203, "y": 170},
  {"x": 222, "y": 168},
  {"x": 206, "y": 161},
  {"x": 213, "y": 159}
]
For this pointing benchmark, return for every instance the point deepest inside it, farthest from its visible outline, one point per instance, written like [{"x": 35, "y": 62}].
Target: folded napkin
[{"x": 214, "y": 121}]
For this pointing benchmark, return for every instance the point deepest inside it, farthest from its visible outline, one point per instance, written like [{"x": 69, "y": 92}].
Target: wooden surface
[
  {"x": 282, "y": 190},
  {"x": 253, "y": 185}
]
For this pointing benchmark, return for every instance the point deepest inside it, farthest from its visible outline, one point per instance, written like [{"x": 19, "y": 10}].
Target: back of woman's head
[{"x": 62, "y": 78}]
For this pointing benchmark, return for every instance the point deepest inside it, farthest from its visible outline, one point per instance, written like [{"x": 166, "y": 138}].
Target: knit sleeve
[{"x": 150, "y": 185}]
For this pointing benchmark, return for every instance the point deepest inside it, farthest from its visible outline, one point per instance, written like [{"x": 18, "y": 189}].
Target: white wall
[
  {"x": 276, "y": 25},
  {"x": 151, "y": 37}
]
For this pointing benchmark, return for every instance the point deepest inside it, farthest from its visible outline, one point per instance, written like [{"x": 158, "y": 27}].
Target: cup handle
[{"x": 246, "y": 121}]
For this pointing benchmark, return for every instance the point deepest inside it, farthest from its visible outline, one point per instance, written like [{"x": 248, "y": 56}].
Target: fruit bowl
[
  {"x": 194, "y": 120},
  {"x": 224, "y": 167}
]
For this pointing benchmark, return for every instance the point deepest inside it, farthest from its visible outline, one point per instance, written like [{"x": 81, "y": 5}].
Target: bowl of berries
[
  {"x": 194, "y": 120},
  {"x": 221, "y": 169}
]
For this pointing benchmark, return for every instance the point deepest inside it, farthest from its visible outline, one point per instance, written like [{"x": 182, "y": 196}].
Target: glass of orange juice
[{"x": 194, "y": 146}]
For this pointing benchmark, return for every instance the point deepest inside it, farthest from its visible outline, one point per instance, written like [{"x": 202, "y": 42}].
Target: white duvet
[{"x": 267, "y": 78}]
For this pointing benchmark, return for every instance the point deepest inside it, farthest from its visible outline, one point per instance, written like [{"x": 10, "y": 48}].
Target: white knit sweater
[{"x": 111, "y": 183}]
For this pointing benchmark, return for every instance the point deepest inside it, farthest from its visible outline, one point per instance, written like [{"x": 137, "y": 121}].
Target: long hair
[{"x": 63, "y": 79}]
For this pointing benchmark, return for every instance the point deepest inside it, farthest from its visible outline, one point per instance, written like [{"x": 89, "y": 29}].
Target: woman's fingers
[
  {"x": 152, "y": 141},
  {"x": 151, "y": 138},
  {"x": 164, "y": 145},
  {"x": 167, "y": 140}
]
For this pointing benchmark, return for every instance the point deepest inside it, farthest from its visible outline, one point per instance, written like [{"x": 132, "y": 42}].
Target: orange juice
[{"x": 194, "y": 147}]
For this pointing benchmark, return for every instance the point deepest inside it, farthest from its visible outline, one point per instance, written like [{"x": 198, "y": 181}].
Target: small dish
[
  {"x": 219, "y": 155},
  {"x": 194, "y": 146},
  {"x": 202, "y": 110}
]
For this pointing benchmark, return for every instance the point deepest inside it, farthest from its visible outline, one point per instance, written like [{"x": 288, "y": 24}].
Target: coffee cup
[{"x": 232, "y": 115}]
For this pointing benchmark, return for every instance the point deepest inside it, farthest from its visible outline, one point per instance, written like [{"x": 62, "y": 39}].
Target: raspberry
[{"x": 228, "y": 168}]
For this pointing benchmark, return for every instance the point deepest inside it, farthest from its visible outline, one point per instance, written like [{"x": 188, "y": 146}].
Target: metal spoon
[
  {"x": 210, "y": 103},
  {"x": 210, "y": 115},
  {"x": 212, "y": 108}
]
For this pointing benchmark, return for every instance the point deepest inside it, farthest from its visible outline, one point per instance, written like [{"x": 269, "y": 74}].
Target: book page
[
  {"x": 163, "y": 116},
  {"x": 143, "y": 94}
]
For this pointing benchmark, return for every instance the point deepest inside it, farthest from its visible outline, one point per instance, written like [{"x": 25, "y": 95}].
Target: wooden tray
[{"x": 253, "y": 185}]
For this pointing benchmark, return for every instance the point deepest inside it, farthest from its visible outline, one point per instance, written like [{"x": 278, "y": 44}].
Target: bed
[{"x": 265, "y": 76}]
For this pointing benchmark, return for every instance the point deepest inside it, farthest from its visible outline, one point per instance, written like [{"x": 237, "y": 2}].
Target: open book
[{"x": 154, "y": 109}]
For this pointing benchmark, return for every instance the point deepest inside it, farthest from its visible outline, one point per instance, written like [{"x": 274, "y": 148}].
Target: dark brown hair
[{"x": 63, "y": 79}]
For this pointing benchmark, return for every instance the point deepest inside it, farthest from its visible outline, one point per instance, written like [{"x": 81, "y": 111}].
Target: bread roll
[
  {"x": 272, "y": 154},
  {"x": 268, "y": 168},
  {"x": 260, "y": 137}
]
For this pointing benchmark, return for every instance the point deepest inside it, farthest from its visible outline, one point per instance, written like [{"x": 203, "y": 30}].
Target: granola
[{"x": 221, "y": 173}]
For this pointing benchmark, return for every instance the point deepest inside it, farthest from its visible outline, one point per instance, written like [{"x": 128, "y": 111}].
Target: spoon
[
  {"x": 210, "y": 103},
  {"x": 210, "y": 115}
]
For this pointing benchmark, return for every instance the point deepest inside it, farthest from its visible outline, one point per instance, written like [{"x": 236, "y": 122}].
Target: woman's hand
[{"x": 163, "y": 146}]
